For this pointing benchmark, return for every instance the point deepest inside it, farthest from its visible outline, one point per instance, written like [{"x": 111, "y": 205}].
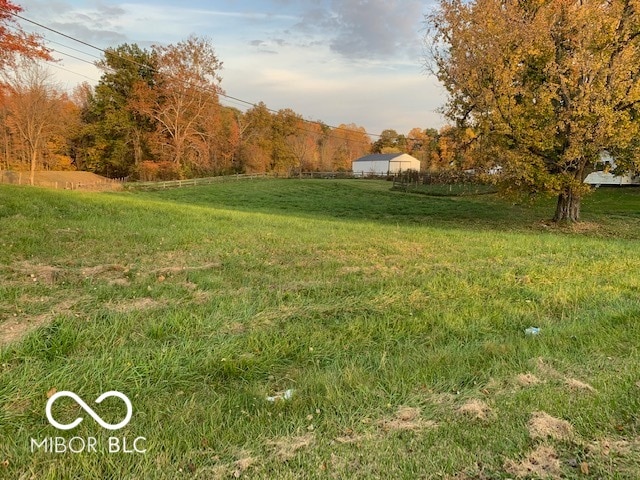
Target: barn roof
[{"x": 379, "y": 157}]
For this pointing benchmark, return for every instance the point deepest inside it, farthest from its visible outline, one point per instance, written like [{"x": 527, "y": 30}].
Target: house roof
[{"x": 377, "y": 157}]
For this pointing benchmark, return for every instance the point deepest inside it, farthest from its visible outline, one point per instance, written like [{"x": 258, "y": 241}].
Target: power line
[
  {"x": 217, "y": 92},
  {"x": 55, "y": 65}
]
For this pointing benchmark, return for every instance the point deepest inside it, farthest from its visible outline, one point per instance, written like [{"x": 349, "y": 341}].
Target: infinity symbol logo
[{"x": 89, "y": 410}]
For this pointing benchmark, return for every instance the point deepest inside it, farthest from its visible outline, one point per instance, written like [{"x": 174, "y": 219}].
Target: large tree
[
  {"x": 34, "y": 107},
  {"x": 115, "y": 139},
  {"x": 184, "y": 98},
  {"x": 546, "y": 84}
]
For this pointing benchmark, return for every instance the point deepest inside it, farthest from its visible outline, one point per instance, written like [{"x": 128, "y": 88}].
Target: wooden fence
[
  {"x": 192, "y": 182},
  {"x": 22, "y": 178}
]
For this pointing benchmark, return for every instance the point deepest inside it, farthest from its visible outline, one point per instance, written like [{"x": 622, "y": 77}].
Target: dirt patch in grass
[
  {"x": 577, "y": 227},
  {"x": 27, "y": 272},
  {"x": 406, "y": 418},
  {"x": 172, "y": 270},
  {"x": 615, "y": 457},
  {"x": 543, "y": 425},
  {"x": 113, "y": 274},
  {"x": 440, "y": 398},
  {"x": 135, "y": 304},
  {"x": 573, "y": 383},
  {"x": 287, "y": 447},
  {"x": 16, "y": 328},
  {"x": 527, "y": 380},
  {"x": 577, "y": 385},
  {"x": 615, "y": 447},
  {"x": 243, "y": 464},
  {"x": 542, "y": 462},
  {"x": 476, "y": 409},
  {"x": 30, "y": 272},
  {"x": 349, "y": 436},
  {"x": 546, "y": 369}
]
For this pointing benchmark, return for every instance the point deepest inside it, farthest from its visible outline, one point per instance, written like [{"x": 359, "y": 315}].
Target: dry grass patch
[
  {"x": 542, "y": 462},
  {"x": 172, "y": 270},
  {"x": 543, "y": 425},
  {"x": 135, "y": 304},
  {"x": 573, "y": 383},
  {"x": 609, "y": 446},
  {"x": 287, "y": 447},
  {"x": 577, "y": 385},
  {"x": 527, "y": 380},
  {"x": 351, "y": 437},
  {"x": 31, "y": 272},
  {"x": 406, "y": 418},
  {"x": 16, "y": 328},
  {"x": 113, "y": 274},
  {"x": 243, "y": 464},
  {"x": 476, "y": 409}
]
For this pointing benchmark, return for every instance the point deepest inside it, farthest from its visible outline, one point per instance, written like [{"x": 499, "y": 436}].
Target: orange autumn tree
[
  {"x": 15, "y": 42},
  {"x": 183, "y": 101}
]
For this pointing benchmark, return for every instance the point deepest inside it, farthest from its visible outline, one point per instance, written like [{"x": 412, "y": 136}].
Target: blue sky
[{"x": 339, "y": 61}]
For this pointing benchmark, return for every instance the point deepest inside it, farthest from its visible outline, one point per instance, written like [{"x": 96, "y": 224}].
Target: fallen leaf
[
  {"x": 584, "y": 468},
  {"x": 52, "y": 392}
]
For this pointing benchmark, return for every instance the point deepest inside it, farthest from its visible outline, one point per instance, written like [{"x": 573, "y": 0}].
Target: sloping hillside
[{"x": 60, "y": 179}]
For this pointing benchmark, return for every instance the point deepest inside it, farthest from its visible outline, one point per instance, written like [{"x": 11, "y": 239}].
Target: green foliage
[{"x": 115, "y": 137}]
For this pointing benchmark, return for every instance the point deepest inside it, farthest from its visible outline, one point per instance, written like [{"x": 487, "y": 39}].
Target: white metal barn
[
  {"x": 603, "y": 176},
  {"x": 384, "y": 163}
]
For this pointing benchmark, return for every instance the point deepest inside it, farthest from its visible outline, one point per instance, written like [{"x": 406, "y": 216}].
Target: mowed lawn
[{"x": 393, "y": 323}]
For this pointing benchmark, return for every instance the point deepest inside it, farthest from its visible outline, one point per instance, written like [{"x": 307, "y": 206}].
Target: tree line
[{"x": 156, "y": 115}]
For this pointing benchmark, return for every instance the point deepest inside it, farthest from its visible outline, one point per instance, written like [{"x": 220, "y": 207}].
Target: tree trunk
[
  {"x": 568, "y": 208},
  {"x": 34, "y": 160}
]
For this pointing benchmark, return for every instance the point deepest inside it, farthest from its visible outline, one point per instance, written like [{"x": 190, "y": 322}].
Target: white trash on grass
[{"x": 287, "y": 395}]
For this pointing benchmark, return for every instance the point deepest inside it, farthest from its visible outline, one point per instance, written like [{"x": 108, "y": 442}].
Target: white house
[
  {"x": 384, "y": 163},
  {"x": 605, "y": 177}
]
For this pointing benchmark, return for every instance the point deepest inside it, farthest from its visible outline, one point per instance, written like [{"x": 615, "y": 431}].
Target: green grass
[
  {"x": 385, "y": 312},
  {"x": 448, "y": 190}
]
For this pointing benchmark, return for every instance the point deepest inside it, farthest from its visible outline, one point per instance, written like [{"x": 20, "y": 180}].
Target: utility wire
[{"x": 217, "y": 92}]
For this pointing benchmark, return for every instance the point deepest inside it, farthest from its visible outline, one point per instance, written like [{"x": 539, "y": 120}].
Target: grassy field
[{"x": 396, "y": 322}]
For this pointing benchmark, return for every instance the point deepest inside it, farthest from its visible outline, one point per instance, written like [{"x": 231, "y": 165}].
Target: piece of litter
[
  {"x": 287, "y": 395},
  {"x": 532, "y": 331}
]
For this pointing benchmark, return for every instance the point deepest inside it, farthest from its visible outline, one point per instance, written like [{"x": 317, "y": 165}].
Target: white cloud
[{"x": 376, "y": 28}]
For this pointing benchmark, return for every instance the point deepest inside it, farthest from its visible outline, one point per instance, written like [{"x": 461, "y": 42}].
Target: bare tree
[{"x": 33, "y": 102}]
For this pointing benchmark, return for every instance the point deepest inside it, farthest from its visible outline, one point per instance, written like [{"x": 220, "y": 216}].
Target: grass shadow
[
  {"x": 358, "y": 200},
  {"x": 374, "y": 201}
]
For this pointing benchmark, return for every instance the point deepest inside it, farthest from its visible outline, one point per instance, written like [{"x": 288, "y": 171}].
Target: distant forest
[{"x": 156, "y": 115}]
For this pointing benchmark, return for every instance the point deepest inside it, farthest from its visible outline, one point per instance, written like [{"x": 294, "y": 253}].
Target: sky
[{"x": 338, "y": 61}]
